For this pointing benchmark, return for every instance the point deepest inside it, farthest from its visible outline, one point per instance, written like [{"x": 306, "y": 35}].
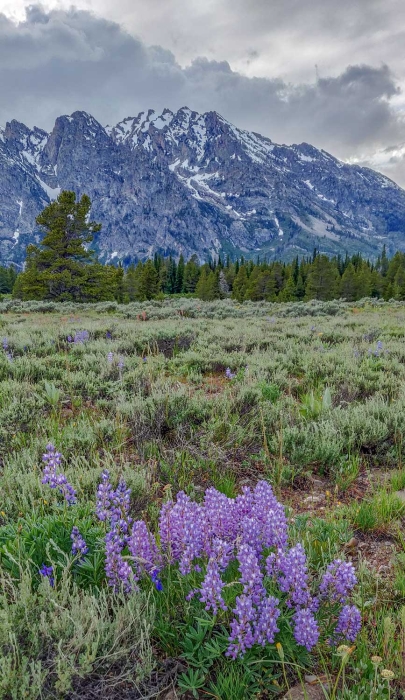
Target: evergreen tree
[
  {"x": 180, "y": 275},
  {"x": 149, "y": 282},
  {"x": 132, "y": 283},
  {"x": 323, "y": 279},
  {"x": 191, "y": 275},
  {"x": 240, "y": 284},
  {"x": 348, "y": 284},
  {"x": 62, "y": 268}
]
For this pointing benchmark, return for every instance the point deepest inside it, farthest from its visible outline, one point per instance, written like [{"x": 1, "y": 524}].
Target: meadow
[{"x": 114, "y": 586}]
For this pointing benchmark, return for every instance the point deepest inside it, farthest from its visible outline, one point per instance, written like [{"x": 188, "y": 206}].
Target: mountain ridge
[{"x": 184, "y": 182}]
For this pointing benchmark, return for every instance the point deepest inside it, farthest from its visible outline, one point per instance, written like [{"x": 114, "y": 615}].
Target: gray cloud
[{"x": 61, "y": 60}]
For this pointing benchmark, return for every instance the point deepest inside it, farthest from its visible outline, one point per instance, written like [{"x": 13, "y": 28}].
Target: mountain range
[{"x": 183, "y": 182}]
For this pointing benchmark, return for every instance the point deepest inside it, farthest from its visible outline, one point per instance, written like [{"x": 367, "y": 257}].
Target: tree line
[{"x": 63, "y": 267}]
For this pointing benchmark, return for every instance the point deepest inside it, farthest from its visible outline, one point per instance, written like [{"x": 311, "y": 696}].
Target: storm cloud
[{"x": 59, "y": 60}]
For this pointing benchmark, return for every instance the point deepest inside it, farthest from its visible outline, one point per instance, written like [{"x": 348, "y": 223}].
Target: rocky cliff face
[{"x": 193, "y": 183}]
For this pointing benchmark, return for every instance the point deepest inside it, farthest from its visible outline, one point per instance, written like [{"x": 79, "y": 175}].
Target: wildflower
[
  {"x": 306, "y": 630},
  {"x": 343, "y": 649},
  {"x": 251, "y": 576},
  {"x": 110, "y": 358},
  {"x": 376, "y": 659},
  {"x": 79, "y": 545},
  {"x": 387, "y": 674},
  {"x": 118, "y": 571},
  {"x": 9, "y": 357},
  {"x": 338, "y": 580},
  {"x": 4, "y": 343},
  {"x": 108, "y": 335},
  {"x": 104, "y": 496},
  {"x": 349, "y": 623},
  {"x": 56, "y": 479},
  {"x": 265, "y": 627},
  {"x": 280, "y": 650},
  {"x": 81, "y": 337},
  {"x": 144, "y": 359},
  {"x": 157, "y": 581},
  {"x": 143, "y": 548},
  {"x": 47, "y": 572},
  {"x": 211, "y": 588},
  {"x": 120, "y": 363},
  {"x": 242, "y": 635},
  {"x": 294, "y": 575},
  {"x": 229, "y": 374}
]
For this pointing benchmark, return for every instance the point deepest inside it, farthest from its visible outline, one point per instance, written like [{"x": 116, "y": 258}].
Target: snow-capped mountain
[{"x": 193, "y": 183}]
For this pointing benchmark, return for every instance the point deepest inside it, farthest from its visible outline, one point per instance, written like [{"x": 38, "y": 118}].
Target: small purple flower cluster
[
  {"x": 338, "y": 581},
  {"x": 79, "y": 546},
  {"x": 79, "y": 338},
  {"x": 378, "y": 351},
  {"x": 112, "y": 506},
  {"x": 110, "y": 358},
  {"x": 229, "y": 374},
  {"x": 53, "y": 477},
  {"x": 244, "y": 529},
  {"x": 349, "y": 623},
  {"x": 205, "y": 538},
  {"x": 8, "y": 354},
  {"x": 47, "y": 572}
]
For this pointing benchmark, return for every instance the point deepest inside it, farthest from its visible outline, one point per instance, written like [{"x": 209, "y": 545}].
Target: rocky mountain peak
[{"x": 193, "y": 183}]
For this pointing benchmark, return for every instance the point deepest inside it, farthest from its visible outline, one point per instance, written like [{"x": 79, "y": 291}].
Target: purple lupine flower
[
  {"x": 120, "y": 363},
  {"x": 271, "y": 514},
  {"x": 144, "y": 359},
  {"x": 105, "y": 494},
  {"x": 108, "y": 335},
  {"x": 70, "y": 339},
  {"x": 79, "y": 545},
  {"x": 306, "y": 630},
  {"x": 242, "y": 635},
  {"x": 119, "y": 514},
  {"x": 271, "y": 563},
  {"x": 293, "y": 577},
  {"x": 47, "y": 572},
  {"x": 110, "y": 358},
  {"x": 220, "y": 515},
  {"x": 222, "y": 551},
  {"x": 81, "y": 337},
  {"x": 349, "y": 623},
  {"x": 229, "y": 374},
  {"x": 9, "y": 357},
  {"x": 50, "y": 474},
  {"x": 156, "y": 580},
  {"x": 265, "y": 628},
  {"x": 52, "y": 460},
  {"x": 338, "y": 581},
  {"x": 182, "y": 531},
  {"x": 118, "y": 571},
  {"x": 4, "y": 343},
  {"x": 143, "y": 548},
  {"x": 211, "y": 588},
  {"x": 250, "y": 575}
]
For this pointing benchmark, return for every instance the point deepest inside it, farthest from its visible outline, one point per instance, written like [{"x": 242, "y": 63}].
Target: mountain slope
[{"x": 193, "y": 183}]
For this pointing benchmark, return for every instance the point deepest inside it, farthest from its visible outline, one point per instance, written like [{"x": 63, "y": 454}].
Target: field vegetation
[{"x": 202, "y": 499}]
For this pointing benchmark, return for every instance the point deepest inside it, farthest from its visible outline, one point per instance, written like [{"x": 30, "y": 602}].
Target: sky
[{"x": 318, "y": 71}]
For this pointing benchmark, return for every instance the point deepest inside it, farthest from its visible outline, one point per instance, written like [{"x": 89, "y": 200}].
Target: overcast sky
[{"x": 326, "y": 72}]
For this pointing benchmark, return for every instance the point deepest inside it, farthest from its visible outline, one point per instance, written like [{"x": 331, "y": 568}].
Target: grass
[{"x": 309, "y": 410}]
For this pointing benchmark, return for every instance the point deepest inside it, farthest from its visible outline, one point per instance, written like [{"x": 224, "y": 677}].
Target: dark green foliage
[{"x": 62, "y": 268}]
